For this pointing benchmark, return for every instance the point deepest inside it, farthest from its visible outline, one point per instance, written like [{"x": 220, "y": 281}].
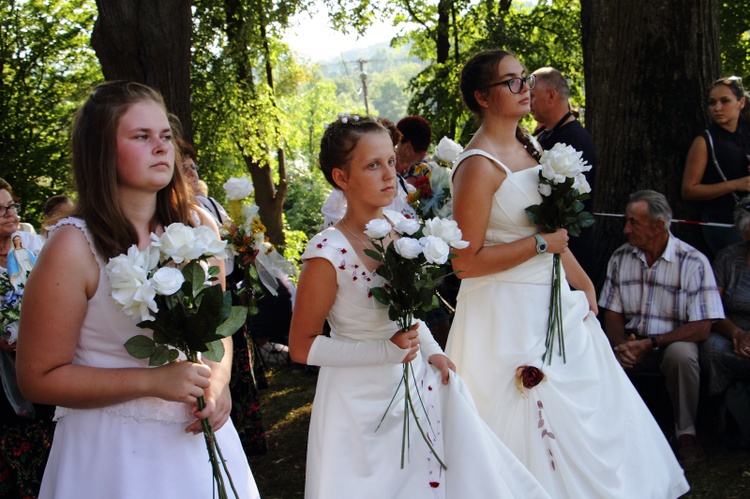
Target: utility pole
[{"x": 363, "y": 77}]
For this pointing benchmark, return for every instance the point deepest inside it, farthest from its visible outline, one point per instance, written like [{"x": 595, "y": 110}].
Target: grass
[{"x": 287, "y": 403}]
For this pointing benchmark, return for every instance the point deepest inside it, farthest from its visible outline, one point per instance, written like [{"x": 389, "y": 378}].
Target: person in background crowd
[
  {"x": 660, "y": 297},
  {"x": 24, "y": 441},
  {"x": 55, "y": 208},
  {"x": 550, "y": 104},
  {"x": 717, "y": 169},
  {"x": 247, "y": 372},
  {"x": 411, "y": 150},
  {"x": 725, "y": 355}
]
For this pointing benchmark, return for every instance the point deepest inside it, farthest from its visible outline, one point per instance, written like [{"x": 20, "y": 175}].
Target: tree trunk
[
  {"x": 148, "y": 42},
  {"x": 648, "y": 65}
]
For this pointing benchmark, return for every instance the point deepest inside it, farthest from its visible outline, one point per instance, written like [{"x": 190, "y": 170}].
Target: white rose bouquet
[
  {"x": 411, "y": 265},
  {"x": 169, "y": 288},
  {"x": 563, "y": 187},
  {"x": 246, "y": 238}
]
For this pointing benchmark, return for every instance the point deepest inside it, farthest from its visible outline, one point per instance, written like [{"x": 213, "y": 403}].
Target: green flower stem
[
  {"x": 215, "y": 456},
  {"x": 555, "y": 323},
  {"x": 409, "y": 405}
]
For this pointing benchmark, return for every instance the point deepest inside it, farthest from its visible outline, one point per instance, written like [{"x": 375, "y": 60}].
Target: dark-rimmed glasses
[
  {"x": 515, "y": 85},
  {"x": 16, "y": 207}
]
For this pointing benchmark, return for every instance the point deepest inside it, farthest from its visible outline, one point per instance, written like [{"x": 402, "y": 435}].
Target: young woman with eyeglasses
[
  {"x": 569, "y": 421},
  {"x": 717, "y": 169}
]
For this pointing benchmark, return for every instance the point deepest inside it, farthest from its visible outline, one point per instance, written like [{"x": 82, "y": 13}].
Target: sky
[{"x": 315, "y": 39}]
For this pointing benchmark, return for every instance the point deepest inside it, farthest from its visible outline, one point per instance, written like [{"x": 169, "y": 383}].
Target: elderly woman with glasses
[
  {"x": 717, "y": 169},
  {"x": 26, "y": 435},
  {"x": 725, "y": 356}
]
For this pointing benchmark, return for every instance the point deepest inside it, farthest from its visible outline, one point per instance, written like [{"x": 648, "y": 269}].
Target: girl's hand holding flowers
[
  {"x": 557, "y": 242},
  {"x": 407, "y": 340}
]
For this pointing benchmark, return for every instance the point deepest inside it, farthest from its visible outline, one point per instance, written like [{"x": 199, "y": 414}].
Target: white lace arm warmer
[
  {"x": 333, "y": 352},
  {"x": 427, "y": 344}
]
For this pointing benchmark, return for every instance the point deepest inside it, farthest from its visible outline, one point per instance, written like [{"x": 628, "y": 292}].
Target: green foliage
[
  {"x": 735, "y": 38},
  {"x": 48, "y": 67},
  {"x": 307, "y": 192}
]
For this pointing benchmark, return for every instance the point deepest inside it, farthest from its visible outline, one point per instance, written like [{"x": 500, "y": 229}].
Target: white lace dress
[
  {"x": 137, "y": 449},
  {"x": 353, "y": 455},
  {"x": 584, "y": 432}
]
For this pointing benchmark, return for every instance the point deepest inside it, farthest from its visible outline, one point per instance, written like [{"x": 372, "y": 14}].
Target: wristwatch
[
  {"x": 654, "y": 344},
  {"x": 541, "y": 244}
]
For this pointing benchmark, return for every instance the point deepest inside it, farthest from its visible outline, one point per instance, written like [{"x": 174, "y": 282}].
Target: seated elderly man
[{"x": 659, "y": 301}]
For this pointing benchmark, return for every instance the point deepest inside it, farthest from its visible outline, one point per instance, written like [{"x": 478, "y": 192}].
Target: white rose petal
[
  {"x": 249, "y": 211},
  {"x": 561, "y": 162},
  {"x": 402, "y": 224},
  {"x": 447, "y": 230},
  {"x": 447, "y": 150},
  {"x": 378, "y": 228},
  {"x": 545, "y": 189},
  {"x": 581, "y": 184},
  {"x": 208, "y": 242},
  {"x": 435, "y": 249},
  {"x": 177, "y": 243},
  {"x": 167, "y": 281},
  {"x": 408, "y": 247},
  {"x": 238, "y": 188},
  {"x": 131, "y": 289}
]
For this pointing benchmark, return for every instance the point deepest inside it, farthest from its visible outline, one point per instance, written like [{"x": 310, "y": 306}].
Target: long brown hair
[{"x": 95, "y": 168}]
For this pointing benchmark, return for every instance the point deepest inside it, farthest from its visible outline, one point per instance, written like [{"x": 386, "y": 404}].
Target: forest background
[{"x": 639, "y": 71}]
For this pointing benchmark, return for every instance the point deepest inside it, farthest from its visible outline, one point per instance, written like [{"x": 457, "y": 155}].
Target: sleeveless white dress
[
  {"x": 137, "y": 449},
  {"x": 584, "y": 432},
  {"x": 347, "y": 458}
]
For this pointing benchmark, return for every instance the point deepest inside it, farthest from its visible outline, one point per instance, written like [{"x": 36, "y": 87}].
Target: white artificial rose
[
  {"x": 408, "y": 247},
  {"x": 250, "y": 211},
  {"x": 238, "y": 188},
  {"x": 581, "y": 184},
  {"x": 402, "y": 224},
  {"x": 378, "y": 228},
  {"x": 447, "y": 230},
  {"x": 208, "y": 243},
  {"x": 435, "y": 249},
  {"x": 176, "y": 243},
  {"x": 544, "y": 189},
  {"x": 447, "y": 150},
  {"x": 561, "y": 162},
  {"x": 131, "y": 289},
  {"x": 167, "y": 281}
]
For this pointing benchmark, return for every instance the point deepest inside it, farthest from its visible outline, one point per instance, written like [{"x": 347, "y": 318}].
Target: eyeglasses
[
  {"x": 191, "y": 166},
  {"x": 515, "y": 85},
  {"x": 16, "y": 207}
]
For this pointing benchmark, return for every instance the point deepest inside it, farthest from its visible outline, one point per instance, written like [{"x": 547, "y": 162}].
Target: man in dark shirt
[{"x": 549, "y": 105}]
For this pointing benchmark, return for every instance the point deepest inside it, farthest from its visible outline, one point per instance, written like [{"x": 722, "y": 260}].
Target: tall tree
[
  {"x": 648, "y": 64},
  {"x": 149, "y": 42},
  {"x": 46, "y": 69}
]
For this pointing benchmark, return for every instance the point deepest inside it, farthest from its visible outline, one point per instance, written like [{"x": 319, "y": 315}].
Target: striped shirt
[{"x": 678, "y": 288}]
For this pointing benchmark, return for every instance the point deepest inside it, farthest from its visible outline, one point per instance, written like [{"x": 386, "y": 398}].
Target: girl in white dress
[
  {"x": 351, "y": 452},
  {"x": 124, "y": 429},
  {"x": 580, "y": 427}
]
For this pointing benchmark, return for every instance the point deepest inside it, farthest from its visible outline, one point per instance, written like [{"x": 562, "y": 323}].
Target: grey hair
[
  {"x": 658, "y": 206},
  {"x": 742, "y": 215},
  {"x": 551, "y": 77}
]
